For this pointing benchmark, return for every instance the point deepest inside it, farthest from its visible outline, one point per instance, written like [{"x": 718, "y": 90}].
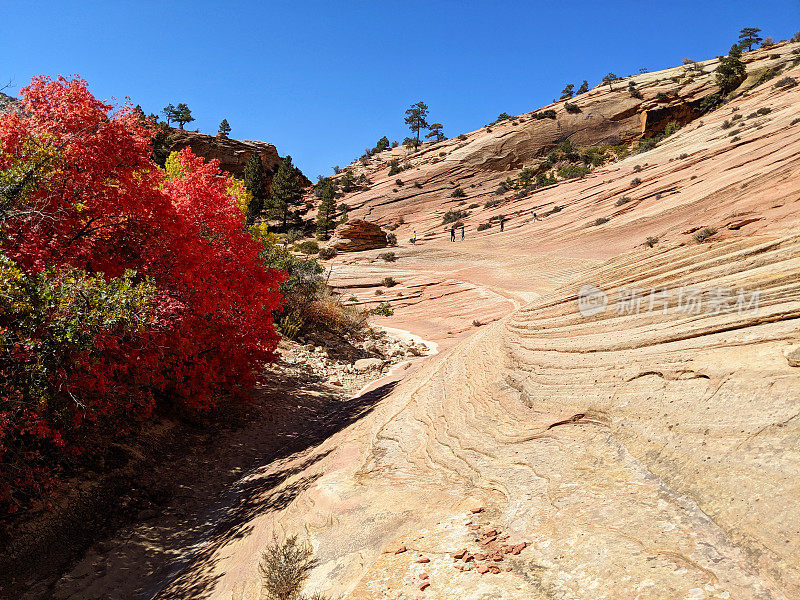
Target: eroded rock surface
[{"x": 358, "y": 235}]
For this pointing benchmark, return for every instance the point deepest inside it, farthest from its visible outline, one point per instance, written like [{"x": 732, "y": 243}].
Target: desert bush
[
  {"x": 637, "y": 168},
  {"x": 384, "y": 309},
  {"x": 284, "y": 569},
  {"x": 308, "y": 247},
  {"x": 726, "y": 124},
  {"x": 651, "y": 241},
  {"x": 458, "y": 193},
  {"x": 705, "y": 233},
  {"x": 554, "y": 210},
  {"x": 492, "y": 203},
  {"x": 623, "y": 200},
  {"x": 387, "y": 256},
  {"x": 572, "y": 108},
  {"x": 545, "y": 114},
  {"x": 764, "y": 110},
  {"x": 601, "y": 221},
  {"x": 290, "y": 325},
  {"x": 735, "y": 139},
  {"x": 473, "y": 206},
  {"x": 636, "y": 181},
  {"x": 389, "y": 282},
  {"x": 795, "y": 121},
  {"x": 379, "y": 292},
  {"x": 484, "y": 226},
  {"x": 573, "y": 171},
  {"x": 391, "y": 239},
  {"x": 786, "y": 82},
  {"x": 462, "y": 137},
  {"x": 451, "y": 216},
  {"x": 504, "y": 116},
  {"x": 662, "y": 97},
  {"x": 394, "y": 167},
  {"x": 683, "y": 156},
  {"x": 327, "y": 253},
  {"x": 398, "y": 182}
]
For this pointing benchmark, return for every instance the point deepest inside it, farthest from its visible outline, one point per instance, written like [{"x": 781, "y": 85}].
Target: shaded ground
[{"x": 197, "y": 494}]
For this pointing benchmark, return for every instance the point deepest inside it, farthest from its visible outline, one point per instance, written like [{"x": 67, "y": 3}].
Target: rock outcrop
[
  {"x": 358, "y": 235},
  {"x": 231, "y": 154}
]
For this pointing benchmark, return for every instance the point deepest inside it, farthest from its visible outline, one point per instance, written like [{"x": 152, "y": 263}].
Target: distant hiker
[
  {"x": 534, "y": 216},
  {"x": 414, "y": 238},
  {"x": 462, "y": 233},
  {"x": 502, "y": 223},
  {"x": 453, "y": 234}
]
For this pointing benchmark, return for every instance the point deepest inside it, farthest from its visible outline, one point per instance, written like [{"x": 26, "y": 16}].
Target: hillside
[{"x": 633, "y": 439}]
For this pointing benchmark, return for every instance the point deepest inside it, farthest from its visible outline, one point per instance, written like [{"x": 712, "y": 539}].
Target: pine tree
[
  {"x": 327, "y": 208},
  {"x": 224, "y": 128},
  {"x": 748, "y": 36},
  {"x": 584, "y": 87},
  {"x": 285, "y": 191},
  {"x": 182, "y": 115},
  {"x": 436, "y": 131},
  {"x": 255, "y": 180},
  {"x": 568, "y": 91},
  {"x": 383, "y": 144},
  {"x": 731, "y": 71},
  {"x": 416, "y": 118},
  {"x": 169, "y": 113},
  {"x": 609, "y": 79}
]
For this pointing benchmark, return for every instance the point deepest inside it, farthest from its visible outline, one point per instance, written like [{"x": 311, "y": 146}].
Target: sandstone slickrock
[
  {"x": 357, "y": 235},
  {"x": 640, "y": 451}
]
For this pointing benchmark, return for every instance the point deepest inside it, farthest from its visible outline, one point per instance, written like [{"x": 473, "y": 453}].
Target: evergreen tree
[
  {"x": 436, "y": 131},
  {"x": 327, "y": 207},
  {"x": 286, "y": 190},
  {"x": 609, "y": 79},
  {"x": 383, "y": 144},
  {"x": 255, "y": 180},
  {"x": 731, "y": 71},
  {"x": 182, "y": 115},
  {"x": 416, "y": 118},
  {"x": 748, "y": 37},
  {"x": 568, "y": 91},
  {"x": 139, "y": 113},
  {"x": 584, "y": 87},
  {"x": 224, "y": 128},
  {"x": 169, "y": 113}
]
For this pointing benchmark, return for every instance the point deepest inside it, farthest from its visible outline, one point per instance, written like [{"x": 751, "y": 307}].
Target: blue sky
[{"x": 324, "y": 80}]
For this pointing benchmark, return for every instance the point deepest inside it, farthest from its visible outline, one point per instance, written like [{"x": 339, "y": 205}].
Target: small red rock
[
  {"x": 497, "y": 557},
  {"x": 508, "y": 569},
  {"x": 460, "y": 554},
  {"x": 424, "y": 560},
  {"x": 483, "y": 569},
  {"x": 400, "y": 550},
  {"x": 480, "y": 556},
  {"x": 474, "y": 526},
  {"x": 495, "y": 570},
  {"x": 424, "y": 585},
  {"x": 423, "y": 575},
  {"x": 490, "y": 532},
  {"x": 475, "y": 511}
]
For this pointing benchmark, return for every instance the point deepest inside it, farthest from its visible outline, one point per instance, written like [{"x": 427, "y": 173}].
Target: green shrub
[
  {"x": 387, "y": 256},
  {"x": 394, "y": 167},
  {"x": 384, "y": 309},
  {"x": 503, "y": 116},
  {"x": 389, "y": 282},
  {"x": 623, "y": 200},
  {"x": 462, "y": 137},
  {"x": 327, "y": 253},
  {"x": 572, "y": 108},
  {"x": 379, "y": 292},
  {"x": 662, "y": 97},
  {"x": 484, "y": 226},
  {"x": 458, "y": 193},
  {"x": 636, "y": 181},
  {"x": 308, "y": 247},
  {"x": 573, "y": 171},
  {"x": 651, "y": 241},
  {"x": 545, "y": 114},
  {"x": 554, "y": 210},
  {"x": 452, "y": 216},
  {"x": 764, "y": 110},
  {"x": 492, "y": 203},
  {"x": 795, "y": 121},
  {"x": 473, "y": 205},
  {"x": 601, "y": 221},
  {"x": 391, "y": 239},
  {"x": 683, "y": 156}
]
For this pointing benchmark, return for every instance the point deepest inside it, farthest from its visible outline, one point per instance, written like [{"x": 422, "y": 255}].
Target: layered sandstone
[
  {"x": 358, "y": 235},
  {"x": 627, "y": 424}
]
